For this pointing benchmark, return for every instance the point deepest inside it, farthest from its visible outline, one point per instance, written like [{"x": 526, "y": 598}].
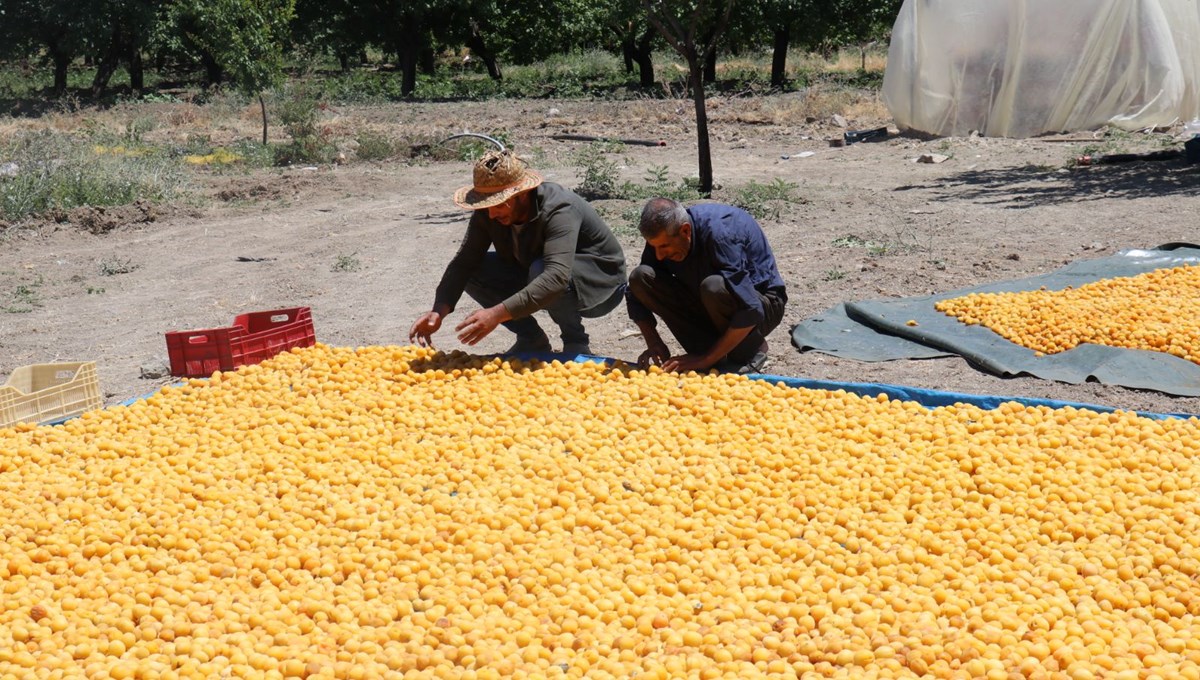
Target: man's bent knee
[
  {"x": 641, "y": 278},
  {"x": 713, "y": 286}
]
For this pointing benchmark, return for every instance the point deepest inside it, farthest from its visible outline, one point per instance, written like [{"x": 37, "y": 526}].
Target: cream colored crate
[{"x": 43, "y": 393}]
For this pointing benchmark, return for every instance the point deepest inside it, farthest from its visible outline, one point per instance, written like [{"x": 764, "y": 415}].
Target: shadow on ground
[{"x": 1039, "y": 185}]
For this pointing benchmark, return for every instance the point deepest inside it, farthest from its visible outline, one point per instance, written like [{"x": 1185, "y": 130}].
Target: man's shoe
[
  {"x": 531, "y": 344},
  {"x": 576, "y": 348}
]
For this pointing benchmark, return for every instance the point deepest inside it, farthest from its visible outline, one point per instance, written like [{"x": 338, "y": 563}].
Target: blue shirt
[{"x": 726, "y": 241}]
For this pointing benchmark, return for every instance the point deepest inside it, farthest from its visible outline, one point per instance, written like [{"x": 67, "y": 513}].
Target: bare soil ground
[{"x": 997, "y": 209}]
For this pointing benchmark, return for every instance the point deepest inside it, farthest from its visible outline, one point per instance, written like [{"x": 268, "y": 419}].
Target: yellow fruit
[
  {"x": 1152, "y": 311},
  {"x": 394, "y": 512}
]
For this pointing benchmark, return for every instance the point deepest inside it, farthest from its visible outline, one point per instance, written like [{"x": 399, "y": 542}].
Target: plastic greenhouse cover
[{"x": 1020, "y": 68}]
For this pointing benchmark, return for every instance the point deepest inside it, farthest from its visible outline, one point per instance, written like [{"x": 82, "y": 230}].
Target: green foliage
[
  {"x": 112, "y": 266},
  {"x": 657, "y": 183},
  {"x": 472, "y": 148},
  {"x": 599, "y": 174},
  {"x": 347, "y": 263},
  {"x": 25, "y": 298},
  {"x": 765, "y": 201},
  {"x": 59, "y": 172},
  {"x": 246, "y": 37},
  {"x": 299, "y": 113},
  {"x": 376, "y": 146}
]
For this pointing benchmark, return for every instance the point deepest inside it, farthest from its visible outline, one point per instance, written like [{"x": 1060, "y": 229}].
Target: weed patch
[
  {"x": 766, "y": 201},
  {"x": 347, "y": 263},
  {"x": 58, "y": 172}
]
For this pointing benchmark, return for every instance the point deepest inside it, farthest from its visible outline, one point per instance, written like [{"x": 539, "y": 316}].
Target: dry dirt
[{"x": 997, "y": 209}]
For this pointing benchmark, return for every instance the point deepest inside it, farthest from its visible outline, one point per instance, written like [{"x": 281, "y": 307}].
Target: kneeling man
[{"x": 709, "y": 274}]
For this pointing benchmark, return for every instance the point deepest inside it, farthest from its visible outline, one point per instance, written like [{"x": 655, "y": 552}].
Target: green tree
[
  {"x": 246, "y": 38},
  {"x": 635, "y": 36},
  {"x": 56, "y": 28},
  {"x": 122, "y": 29},
  {"x": 693, "y": 28},
  {"x": 822, "y": 24},
  {"x": 334, "y": 27}
]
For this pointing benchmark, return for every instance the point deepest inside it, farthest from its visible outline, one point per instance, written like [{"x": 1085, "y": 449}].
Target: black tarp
[{"x": 878, "y": 330}]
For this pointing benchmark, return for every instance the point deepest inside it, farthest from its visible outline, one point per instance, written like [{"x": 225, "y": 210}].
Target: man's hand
[
  {"x": 655, "y": 355},
  {"x": 687, "y": 362},
  {"x": 477, "y": 326},
  {"x": 423, "y": 329}
]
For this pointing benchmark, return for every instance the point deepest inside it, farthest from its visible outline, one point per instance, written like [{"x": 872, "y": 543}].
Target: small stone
[
  {"x": 154, "y": 371},
  {"x": 837, "y": 120}
]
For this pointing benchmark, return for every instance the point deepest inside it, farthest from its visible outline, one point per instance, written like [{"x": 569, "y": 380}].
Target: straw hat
[{"x": 499, "y": 176}]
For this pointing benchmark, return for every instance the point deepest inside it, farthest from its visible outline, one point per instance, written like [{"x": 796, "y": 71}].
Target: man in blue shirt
[{"x": 709, "y": 274}]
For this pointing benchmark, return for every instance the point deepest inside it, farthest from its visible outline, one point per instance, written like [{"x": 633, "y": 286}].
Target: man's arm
[
  {"x": 422, "y": 330},
  {"x": 724, "y": 345},
  {"x": 477, "y": 326},
  {"x": 464, "y": 264},
  {"x": 657, "y": 351}
]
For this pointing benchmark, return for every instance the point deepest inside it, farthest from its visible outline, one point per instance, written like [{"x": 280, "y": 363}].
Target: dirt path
[{"x": 364, "y": 244}]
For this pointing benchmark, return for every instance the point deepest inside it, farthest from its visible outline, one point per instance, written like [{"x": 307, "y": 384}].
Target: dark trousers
[
  {"x": 497, "y": 280},
  {"x": 698, "y": 318}
]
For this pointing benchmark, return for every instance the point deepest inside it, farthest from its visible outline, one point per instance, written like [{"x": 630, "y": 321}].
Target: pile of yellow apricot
[
  {"x": 1155, "y": 311},
  {"x": 388, "y": 512}
]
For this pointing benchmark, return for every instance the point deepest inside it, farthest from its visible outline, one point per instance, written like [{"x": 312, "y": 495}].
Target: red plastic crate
[{"x": 252, "y": 338}]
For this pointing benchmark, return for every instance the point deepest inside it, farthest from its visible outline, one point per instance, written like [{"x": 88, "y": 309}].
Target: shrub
[{"x": 58, "y": 171}]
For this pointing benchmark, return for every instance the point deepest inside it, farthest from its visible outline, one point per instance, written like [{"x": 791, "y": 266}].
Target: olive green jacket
[{"x": 565, "y": 232}]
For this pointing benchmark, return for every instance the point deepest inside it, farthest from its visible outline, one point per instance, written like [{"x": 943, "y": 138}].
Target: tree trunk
[
  {"x": 344, "y": 62},
  {"x": 61, "y": 61},
  {"x": 104, "y": 72},
  {"x": 137, "y": 71},
  {"x": 408, "y": 67},
  {"x": 710, "y": 67},
  {"x": 779, "y": 56},
  {"x": 427, "y": 62},
  {"x": 213, "y": 74},
  {"x": 263, "y": 105},
  {"x": 627, "y": 52},
  {"x": 702, "y": 146},
  {"x": 643, "y": 55},
  {"x": 480, "y": 49}
]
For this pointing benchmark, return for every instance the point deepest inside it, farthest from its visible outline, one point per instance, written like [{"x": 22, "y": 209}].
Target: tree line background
[{"x": 246, "y": 43}]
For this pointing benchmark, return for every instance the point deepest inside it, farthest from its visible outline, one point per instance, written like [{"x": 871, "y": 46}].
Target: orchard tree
[
  {"x": 122, "y": 29},
  {"x": 693, "y": 28},
  {"x": 246, "y": 38},
  {"x": 57, "y": 28},
  {"x": 822, "y": 24},
  {"x": 335, "y": 27},
  {"x": 635, "y": 36}
]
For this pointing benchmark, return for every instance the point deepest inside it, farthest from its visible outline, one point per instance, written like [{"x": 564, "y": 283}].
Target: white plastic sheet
[{"x": 1019, "y": 68}]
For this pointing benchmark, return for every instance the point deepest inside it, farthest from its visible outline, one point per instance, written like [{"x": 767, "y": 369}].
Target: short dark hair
[{"x": 662, "y": 215}]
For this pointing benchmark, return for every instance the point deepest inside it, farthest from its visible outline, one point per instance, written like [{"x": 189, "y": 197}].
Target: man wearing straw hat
[{"x": 530, "y": 245}]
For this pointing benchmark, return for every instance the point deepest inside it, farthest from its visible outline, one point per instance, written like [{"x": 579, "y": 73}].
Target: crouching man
[
  {"x": 530, "y": 245},
  {"x": 709, "y": 274}
]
